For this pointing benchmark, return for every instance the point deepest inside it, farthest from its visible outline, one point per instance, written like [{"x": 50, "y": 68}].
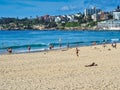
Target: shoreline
[
  {"x": 57, "y": 29},
  {"x": 47, "y": 50},
  {"x": 56, "y": 49}
]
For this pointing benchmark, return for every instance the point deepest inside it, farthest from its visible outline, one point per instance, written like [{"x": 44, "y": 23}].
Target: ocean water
[{"x": 40, "y": 40}]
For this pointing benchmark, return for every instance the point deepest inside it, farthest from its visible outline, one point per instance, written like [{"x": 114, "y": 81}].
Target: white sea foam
[{"x": 115, "y": 40}]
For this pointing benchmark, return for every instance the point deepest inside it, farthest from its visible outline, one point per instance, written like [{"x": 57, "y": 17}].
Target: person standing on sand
[
  {"x": 29, "y": 48},
  {"x": 77, "y": 52}
]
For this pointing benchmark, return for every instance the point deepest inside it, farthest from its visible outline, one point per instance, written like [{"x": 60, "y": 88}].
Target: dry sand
[{"x": 62, "y": 70}]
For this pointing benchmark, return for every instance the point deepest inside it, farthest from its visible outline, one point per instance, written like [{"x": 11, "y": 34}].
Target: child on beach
[{"x": 77, "y": 52}]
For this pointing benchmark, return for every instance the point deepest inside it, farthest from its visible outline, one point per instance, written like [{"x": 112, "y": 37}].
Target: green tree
[{"x": 72, "y": 24}]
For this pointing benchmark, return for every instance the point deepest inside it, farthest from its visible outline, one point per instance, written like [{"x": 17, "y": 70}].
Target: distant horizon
[{"x": 27, "y": 8}]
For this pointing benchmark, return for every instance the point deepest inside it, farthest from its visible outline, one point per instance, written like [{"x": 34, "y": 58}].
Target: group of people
[
  {"x": 114, "y": 44},
  {"x": 51, "y": 46},
  {"x": 9, "y": 50}
]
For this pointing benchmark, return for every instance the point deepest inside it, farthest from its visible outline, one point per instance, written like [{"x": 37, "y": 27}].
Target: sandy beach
[{"x": 62, "y": 69}]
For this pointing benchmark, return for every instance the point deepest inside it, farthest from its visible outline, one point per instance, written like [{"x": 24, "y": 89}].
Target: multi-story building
[
  {"x": 116, "y": 14},
  {"x": 103, "y": 15},
  {"x": 113, "y": 24},
  {"x": 100, "y": 16},
  {"x": 57, "y": 19},
  {"x": 95, "y": 17},
  {"x": 109, "y": 25},
  {"x": 91, "y": 11}
]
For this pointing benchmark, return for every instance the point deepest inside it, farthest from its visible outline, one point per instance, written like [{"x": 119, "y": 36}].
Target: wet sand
[{"x": 62, "y": 70}]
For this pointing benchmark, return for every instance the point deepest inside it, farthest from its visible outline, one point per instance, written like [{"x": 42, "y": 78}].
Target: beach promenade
[{"x": 62, "y": 69}]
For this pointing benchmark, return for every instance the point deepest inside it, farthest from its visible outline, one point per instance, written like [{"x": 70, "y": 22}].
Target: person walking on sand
[
  {"x": 114, "y": 45},
  {"x": 77, "y": 52},
  {"x": 29, "y": 48}
]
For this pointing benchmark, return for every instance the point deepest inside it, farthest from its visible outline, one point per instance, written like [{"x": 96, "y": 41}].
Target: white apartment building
[
  {"x": 109, "y": 25},
  {"x": 95, "y": 17},
  {"x": 116, "y": 14},
  {"x": 91, "y": 11}
]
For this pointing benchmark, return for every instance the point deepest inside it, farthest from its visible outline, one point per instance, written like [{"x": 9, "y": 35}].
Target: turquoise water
[{"x": 40, "y": 40}]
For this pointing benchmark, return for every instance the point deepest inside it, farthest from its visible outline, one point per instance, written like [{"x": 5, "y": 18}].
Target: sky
[{"x": 27, "y": 8}]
